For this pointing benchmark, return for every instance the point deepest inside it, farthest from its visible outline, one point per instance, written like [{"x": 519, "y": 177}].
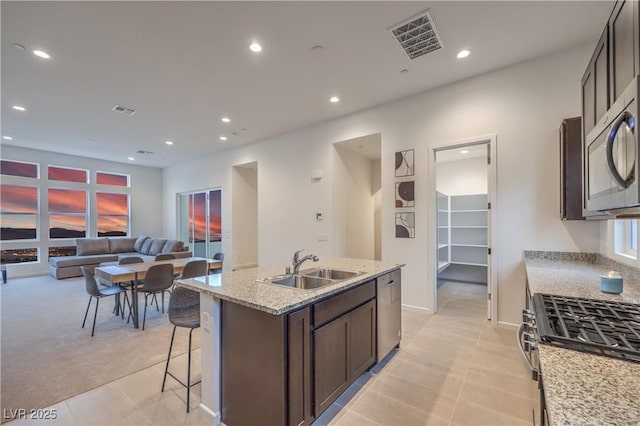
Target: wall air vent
[
  {"x": 124, "y": 110},
  {"x": 143, "y": 152},
  {"x": 417, "y": 35}
]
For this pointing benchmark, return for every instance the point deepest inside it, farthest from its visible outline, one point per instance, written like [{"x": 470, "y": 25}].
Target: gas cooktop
[{"x": 596, "y": 326}]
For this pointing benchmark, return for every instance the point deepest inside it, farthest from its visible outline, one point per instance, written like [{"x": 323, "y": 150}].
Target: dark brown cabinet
[
  {"x": 571, "y": 169},
  {"x": 289, "y": 368},
  {"x": 624, "y": 57},
  {"x": 595, "y": 85}
]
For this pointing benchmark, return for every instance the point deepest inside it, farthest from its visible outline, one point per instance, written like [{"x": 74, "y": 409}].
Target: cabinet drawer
[{"x": 335, "y": 306}]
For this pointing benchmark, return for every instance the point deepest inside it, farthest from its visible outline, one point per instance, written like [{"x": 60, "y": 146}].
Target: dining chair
[
  {"x": 194, "y": 268},
  {"x": 129, "y": 260},
  {"x": 218, "y": 256},
  {"x": 95, "y": 291},
  {"x": 165, "y": 256},
  {"x": 158, "y": 279},
  {"x": 184, "y": 311}
]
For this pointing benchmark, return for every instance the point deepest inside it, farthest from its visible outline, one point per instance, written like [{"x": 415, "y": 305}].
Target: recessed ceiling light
[
  {"x": 463, "y": 54},
  {"x": 226, "y": 120},
  {"x": 41, "y": 54},
  {"x": 131, "y": 158},
  {"x": 255, "y": 47},
  {"x": 464, "y": 151},
  {"x": 19, "y": 108},
  {"x": 334, "y": 99},
  {"x": 9, "y": 138},
  {"x": 169, "y": 142},
  {"x": 223, "y": 138}
]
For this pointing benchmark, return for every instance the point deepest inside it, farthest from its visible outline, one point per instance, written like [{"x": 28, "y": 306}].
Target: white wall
[
  {"x": 145, "y": 198},
  {"x": 522, "y": 104},
  {"x": 353, "y": 204},
  {"x": 245, "y": 216},
  {"x": 376, "y": 185},
  {"x": 460, "y": 177}
]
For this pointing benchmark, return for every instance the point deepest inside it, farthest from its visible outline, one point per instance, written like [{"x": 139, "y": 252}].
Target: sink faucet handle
[{"x": 296, "y": 255}]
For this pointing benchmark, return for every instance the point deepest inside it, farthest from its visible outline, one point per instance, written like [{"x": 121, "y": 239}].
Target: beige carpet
[{"x": 46, "y": 357}]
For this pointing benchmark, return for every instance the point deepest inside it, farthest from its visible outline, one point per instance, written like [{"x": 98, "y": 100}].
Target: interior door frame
[{"x": 492, "y": 192}]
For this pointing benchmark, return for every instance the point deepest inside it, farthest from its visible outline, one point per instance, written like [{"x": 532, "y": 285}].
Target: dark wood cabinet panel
[
  {"x": 595, "y": 85},
  {"x": 623, "y": 61},
  {"x": 363, "y": 339},
  {"x": 571, "y": 169},
  {"x": 335, "y": 306},
  {"x": 299, "y": 368},
  {"x": 331, "y": 349}
]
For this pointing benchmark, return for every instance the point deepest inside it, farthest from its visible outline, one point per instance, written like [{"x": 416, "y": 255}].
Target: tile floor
[{"x": 453, "y": 368}]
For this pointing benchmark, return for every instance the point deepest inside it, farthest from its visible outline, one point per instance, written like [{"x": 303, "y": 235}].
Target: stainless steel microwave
[{"x": 611, "y": 160}]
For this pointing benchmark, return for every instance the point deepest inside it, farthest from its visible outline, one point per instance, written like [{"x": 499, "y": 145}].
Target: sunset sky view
[{"x": 198, "y": 217}]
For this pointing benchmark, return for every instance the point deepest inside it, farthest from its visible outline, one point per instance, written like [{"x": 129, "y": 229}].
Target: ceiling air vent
[
  {"x": 143, "y": 152},
  {"x": 417, "y": 35},
  {"x": 124, "y": 110}
]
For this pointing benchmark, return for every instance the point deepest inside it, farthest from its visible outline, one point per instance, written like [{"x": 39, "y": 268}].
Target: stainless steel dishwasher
[{"x": 389, "y": 313}]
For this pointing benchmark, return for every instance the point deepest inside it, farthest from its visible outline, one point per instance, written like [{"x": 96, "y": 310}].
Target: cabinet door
[
  {"x": 595, "y": 89},
  {"x": 621, "y": 38},
  {"x": 363, "y": 338},
  {"x": 571, "y": 169},
  {"x": 299, "y": 368},
  {"x": 331, "y": 374}
]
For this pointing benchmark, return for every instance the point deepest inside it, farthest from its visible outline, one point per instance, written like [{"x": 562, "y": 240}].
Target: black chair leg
[
  {"x": 124, "y": 304},
  {"x": 144, "y": 316},
  {"x": 86, "y": 312},
  {"x": 162, "y": 302},
  {"x": 166, "y": 368},
  {"x": 94, "y": 316}
]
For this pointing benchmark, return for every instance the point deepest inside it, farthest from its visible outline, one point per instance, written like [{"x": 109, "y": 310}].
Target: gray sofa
[{"x": 93, "y": 251}]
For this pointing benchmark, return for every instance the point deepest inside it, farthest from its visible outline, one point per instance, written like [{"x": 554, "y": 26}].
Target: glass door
[{"x": 200, "y": 219}]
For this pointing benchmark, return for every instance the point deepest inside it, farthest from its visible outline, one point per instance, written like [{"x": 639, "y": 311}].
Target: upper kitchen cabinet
[
  {"x": 614, "y": 64},
  {"x": 595, "y": 85},
  {"x": 623, "y": 31}
]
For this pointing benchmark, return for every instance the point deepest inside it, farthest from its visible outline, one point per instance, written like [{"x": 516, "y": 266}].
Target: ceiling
[{"x": 185, "y": 65}]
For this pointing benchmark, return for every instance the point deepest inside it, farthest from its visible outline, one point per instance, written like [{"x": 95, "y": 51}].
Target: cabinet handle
[{"x": 392, "y": 282}]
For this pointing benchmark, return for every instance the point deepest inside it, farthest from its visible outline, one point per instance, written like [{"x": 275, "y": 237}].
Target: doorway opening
[
  {"x": 463, "y": 185},
  {"x": 358, "y": 197},
  {"x": 244, "y": 207}
]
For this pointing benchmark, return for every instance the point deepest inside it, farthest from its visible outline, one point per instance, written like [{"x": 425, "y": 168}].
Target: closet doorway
[{"x": 463, "y": 186}]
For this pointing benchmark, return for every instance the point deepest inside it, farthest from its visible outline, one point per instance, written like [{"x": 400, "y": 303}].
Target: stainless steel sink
[
  {"x": 329, "y": 273},
  {"x": 309, "y": 279},
  {"x": 302, "y": 281}
]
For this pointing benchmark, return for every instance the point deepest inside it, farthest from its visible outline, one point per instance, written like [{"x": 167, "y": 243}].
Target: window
[
  {"x": 19, "y": 212},
  {"x": 18, "y": 168},
  {"x": 626, "y": 237},
  {"x": 113, "y": 179},
  {"x": 67, "y": 174},
  {"x": 201, "y": 222},
  {"x": 67, "y": 213},
  {"x": 23, "y": 255},
  {"x": 62, "y": 251},
  {"x": 113, "y": 214}
]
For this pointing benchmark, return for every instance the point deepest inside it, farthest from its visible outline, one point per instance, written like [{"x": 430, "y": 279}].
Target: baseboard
[
  {"x": 508, "y": 325},
  {"x": 422, "y": 308},
  {"x": 209, "y": 416}
]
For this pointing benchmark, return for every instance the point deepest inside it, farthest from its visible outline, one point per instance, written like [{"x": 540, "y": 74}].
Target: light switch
[{"x": 206, "y": 321}]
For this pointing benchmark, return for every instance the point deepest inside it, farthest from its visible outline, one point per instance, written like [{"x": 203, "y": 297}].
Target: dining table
[{"x": 135, "y": 272}]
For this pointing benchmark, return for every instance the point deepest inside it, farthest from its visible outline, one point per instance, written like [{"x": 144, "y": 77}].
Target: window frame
[
  {"x": 128, "y": 215},
  {"x": 86, "y": 214},
  {"x": 36, "y": 214},
  {"x": 128, "y": 176},
  {"x": 86, "y": 171},
  {"x": 23, "y": 162},
  {"x": 625, "y": 238}
]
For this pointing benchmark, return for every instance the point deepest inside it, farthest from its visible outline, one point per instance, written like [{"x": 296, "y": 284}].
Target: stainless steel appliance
[
  {"x": 389, "y": 304},
  {"x": 599, "y": 327},
  {"x": 611, "y": 172}
]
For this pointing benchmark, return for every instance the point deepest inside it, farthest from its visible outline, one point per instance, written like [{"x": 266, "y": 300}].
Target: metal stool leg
[
  {"x": 144, "y": 316},
  {"x": 166, "y": 368},
  {"x": 189, "y": 371}
]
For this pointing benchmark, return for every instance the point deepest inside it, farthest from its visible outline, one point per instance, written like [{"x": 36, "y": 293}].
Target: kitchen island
[
  {"x": 257, "y": 339},
  {"x": 582, "y": 388}
]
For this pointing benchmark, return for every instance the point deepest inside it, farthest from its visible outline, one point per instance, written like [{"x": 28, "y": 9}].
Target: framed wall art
[
  {"x": 404, "y": 163},
  {"x": 405, "y": 225},
  {"x": 405, "y": 194}
]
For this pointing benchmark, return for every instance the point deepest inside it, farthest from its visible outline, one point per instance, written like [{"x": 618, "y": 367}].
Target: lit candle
[{"x": 611, "y": 282}]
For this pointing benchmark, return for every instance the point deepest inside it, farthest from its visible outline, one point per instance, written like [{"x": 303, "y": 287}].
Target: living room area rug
[{"x": 46, "y": 356}]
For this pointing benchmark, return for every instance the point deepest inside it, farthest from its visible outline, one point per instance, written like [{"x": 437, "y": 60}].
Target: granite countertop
[
  {"x": 582, "y": 388},
  {"x": 242, "y": 287}
]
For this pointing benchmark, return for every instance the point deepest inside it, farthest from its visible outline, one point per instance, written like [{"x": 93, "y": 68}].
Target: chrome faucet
[{"x": 297, "y": 261}]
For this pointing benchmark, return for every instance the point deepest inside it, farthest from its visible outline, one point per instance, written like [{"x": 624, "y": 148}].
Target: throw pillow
[
  {"x": 172, "y": 246},
  {"x": 146, "y": 246},
  {"x": 137, "y": 246},
  {"x": 156, "y": 246}
]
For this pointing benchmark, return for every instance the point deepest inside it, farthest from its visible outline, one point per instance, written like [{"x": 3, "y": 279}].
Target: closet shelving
[{"x": 462, "y": 230}]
